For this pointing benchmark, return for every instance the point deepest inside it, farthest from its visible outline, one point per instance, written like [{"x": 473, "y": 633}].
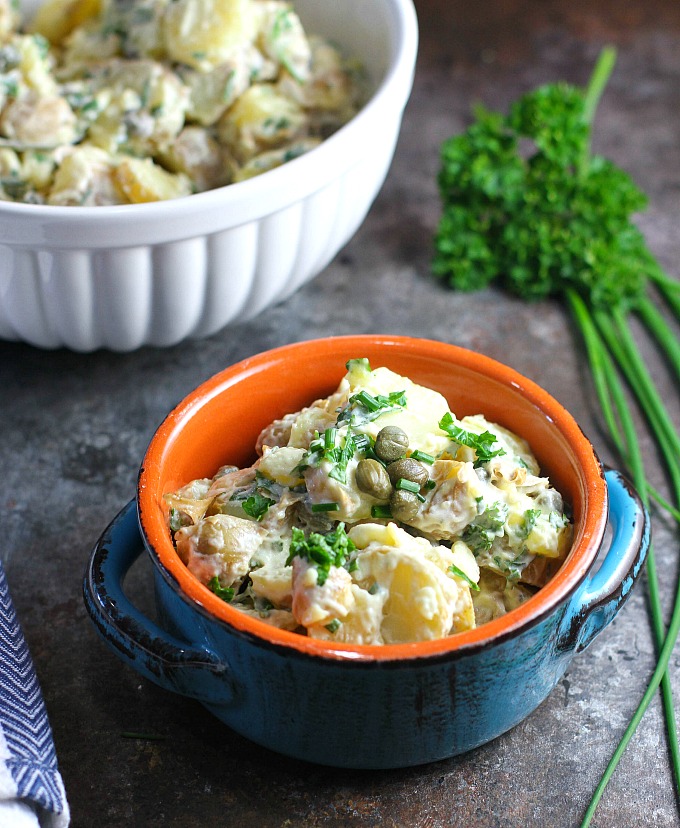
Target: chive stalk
[
  {"x": 326, "y": 507},
  {"x": 613, "y": 403}
]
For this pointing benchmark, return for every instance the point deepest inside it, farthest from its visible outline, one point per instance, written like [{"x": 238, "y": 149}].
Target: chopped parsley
[
  {"x": 512, "y": 569},
  {"x": 255, "y": 500},
  {"x": 482, "y": 444},
  {"x": 488, "y": 525},
  {"x": 530, "y": 518},
  {"x": 323, "y": 551},
  {"x": 256, "y": 505}
]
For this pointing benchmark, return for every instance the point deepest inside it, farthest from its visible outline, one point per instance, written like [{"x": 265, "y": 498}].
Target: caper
[
  {"x": 408, "y": 469},
  {"x": 404, "y": 505},
  {"x": 391, "y": 443},
  {"x": 372, "y": 478}
]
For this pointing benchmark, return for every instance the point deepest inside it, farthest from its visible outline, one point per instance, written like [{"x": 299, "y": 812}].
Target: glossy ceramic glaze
[
  {"x": 154, "y": 274},
  {"x": 347, "y": 705}
]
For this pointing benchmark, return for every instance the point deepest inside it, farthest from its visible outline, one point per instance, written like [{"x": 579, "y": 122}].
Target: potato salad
[
  {"x": 375, "y": 516},
  {"x": 124, "y": 101}
]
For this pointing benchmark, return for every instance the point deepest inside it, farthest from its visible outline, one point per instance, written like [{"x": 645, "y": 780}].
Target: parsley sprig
[{"x": 526, "y": 205}]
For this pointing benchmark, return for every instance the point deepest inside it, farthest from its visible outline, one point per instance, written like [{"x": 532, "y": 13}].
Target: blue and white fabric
[{"x": 31, "y": 788}]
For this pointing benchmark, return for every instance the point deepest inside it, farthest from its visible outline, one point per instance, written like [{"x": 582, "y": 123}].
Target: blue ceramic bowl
[{"x": 362, "y": 706}]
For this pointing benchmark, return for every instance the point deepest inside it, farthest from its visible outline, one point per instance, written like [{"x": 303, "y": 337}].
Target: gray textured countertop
[{"x": 74, "y": 429}]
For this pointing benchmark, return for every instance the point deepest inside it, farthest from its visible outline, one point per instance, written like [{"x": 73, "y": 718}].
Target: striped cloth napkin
[{"x": 31, "y": 789}]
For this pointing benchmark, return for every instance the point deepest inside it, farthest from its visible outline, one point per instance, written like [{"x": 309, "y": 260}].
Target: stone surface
[{"x": 74, "y": 429}]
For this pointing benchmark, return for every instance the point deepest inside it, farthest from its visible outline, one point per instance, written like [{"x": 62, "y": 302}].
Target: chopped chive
[
  {"x": 316, "y": 444},
  {"x": 367, "y": 400},
  {"x": 430, "y": 484},
  {"x": 380, "y": 511},
  {"x": 326, "y": 507},
  {"x": 423, "y": 456},
  {"x": 225, "y": 593},
  {"x": 362, "y": 442},
  {"x": 333, "y": 626},
  {"x": 329, "y": 436},
  {"x": 407, "y": 485}
]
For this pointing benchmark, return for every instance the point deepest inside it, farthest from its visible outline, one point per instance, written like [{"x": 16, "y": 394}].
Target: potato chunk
[
  {"x": 203, "y": 33},
  {"x": 140, "y": 180}
]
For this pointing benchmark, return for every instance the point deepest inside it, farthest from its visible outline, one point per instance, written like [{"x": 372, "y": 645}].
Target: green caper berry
[
  {"x": 408, "y": 469},
  {"x": 372, "y": 479},
  {"x": 404, "y": 505},
  {"x": 391, "y": 443}
]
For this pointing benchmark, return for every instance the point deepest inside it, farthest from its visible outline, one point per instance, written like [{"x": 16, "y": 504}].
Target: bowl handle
[
  {"x": 133, "y": 637},
  {"x": 604, "y": 592}
]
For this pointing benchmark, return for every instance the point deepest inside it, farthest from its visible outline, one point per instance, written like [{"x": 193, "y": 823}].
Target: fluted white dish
[{"x": 155, "y": 274}]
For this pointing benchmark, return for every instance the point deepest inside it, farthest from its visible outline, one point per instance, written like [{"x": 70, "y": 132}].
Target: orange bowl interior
[{"x": 220, "y": 421}]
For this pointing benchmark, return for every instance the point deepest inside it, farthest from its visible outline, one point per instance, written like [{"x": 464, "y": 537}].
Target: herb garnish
[
  {"x": 257, "y": 505},
  {"x": 226, "y": 594},
  {"x": 331, "y": 506},
  {"x": 460, "y": 574},
  {"x": 529, "y": 521},
  {"x": 322, "y": 550},
  {"x": 422, "y": 456},
  {"x": 409, "y": 486},
  {"x": 480, "y": 443},
  {"x": 324, "y": 447},
  {"x": 255, "y": 500},
  {"x": 486, "y": 527},
  {"x": 363, "y": 407}
]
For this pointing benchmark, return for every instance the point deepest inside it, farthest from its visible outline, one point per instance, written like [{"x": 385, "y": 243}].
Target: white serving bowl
[{"x": 155, "y": 274}]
